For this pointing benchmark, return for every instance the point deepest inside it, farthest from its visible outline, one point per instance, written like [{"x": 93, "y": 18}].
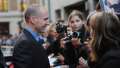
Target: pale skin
[
  {"x": 39, "y": 23},
  {"x": 75, "y": 23}
]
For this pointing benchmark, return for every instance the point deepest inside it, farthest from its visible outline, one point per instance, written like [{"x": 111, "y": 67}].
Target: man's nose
[{"x": 46, "y": 22}]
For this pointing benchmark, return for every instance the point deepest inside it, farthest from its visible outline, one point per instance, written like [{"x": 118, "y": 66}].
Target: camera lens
[{"x": 75, "y": 34}]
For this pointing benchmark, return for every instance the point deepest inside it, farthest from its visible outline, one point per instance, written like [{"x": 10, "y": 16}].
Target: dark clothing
[
  {"x": 2, "y": 61},
  {"x": 52, "y": 48},
  {"x": 111, "y": 59},
  {"x": 72, "y": 53},
  {"x": 28, "y": 53}
]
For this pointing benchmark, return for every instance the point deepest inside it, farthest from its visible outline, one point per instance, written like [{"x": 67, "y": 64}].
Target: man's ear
[{"x": 33, "y": 20}]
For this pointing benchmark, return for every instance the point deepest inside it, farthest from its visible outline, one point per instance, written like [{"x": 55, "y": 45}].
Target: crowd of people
[{"x": 78, "y": 43}]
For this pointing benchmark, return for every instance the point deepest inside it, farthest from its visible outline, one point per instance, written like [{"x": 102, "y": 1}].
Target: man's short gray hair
[{"x": 32, "y": 11}]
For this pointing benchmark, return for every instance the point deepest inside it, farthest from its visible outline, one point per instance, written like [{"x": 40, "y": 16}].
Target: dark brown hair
[{"x": 107, "y": 34}]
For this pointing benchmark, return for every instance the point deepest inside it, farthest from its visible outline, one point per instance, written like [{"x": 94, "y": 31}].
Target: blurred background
[{"x": 11, "y": 11}]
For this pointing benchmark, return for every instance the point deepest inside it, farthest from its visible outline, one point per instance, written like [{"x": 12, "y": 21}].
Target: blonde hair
[
  {"x": 52, "y": 27},
  {"x": 76, "y": 13}
]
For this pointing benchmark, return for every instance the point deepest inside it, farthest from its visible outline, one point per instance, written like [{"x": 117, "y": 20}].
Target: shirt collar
[{"x": 34, "y": 34}]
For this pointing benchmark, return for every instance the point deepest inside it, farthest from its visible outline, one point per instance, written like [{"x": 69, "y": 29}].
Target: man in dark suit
[{"x": 28, "y": 51}]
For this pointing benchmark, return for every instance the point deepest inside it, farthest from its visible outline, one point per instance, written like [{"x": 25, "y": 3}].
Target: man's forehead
[
  {"x": 43, "y": 12},
  {"x": 36, "y": 10},
  {"x": 43, "y": 9},
  {"x": 43, "y": 15}
]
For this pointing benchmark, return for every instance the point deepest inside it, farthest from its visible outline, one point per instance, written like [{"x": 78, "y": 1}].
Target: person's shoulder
[
  {"x": 110, "y": 60},
  {"x": 21, "y": 39},
  {"x": 115, "y": 53}
]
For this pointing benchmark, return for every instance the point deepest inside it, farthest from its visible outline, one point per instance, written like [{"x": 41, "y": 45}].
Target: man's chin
[{"x": 42, "y": 31}]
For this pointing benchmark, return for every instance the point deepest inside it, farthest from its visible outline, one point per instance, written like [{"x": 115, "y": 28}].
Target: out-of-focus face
[
  {"x": 75, "y": 23},
  {"x": 53, "y": 33},
  {"x": 41, "y": 21}
]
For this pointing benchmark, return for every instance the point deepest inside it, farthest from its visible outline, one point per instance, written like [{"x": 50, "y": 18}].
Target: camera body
[
  {"x": 71, "y": 35},
  {"x": 61, "y": 29}
]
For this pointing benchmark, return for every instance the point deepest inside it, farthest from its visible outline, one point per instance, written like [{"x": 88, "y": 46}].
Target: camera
[
  {"x": 81, "y": 34},
  {"x": 61, "y": 29},
  {"x": 71, "y": 35},
  {"x": 68, "y": 35}
]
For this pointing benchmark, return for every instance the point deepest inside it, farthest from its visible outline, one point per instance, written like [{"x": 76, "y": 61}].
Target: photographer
[{"x": 73, "y": 44}]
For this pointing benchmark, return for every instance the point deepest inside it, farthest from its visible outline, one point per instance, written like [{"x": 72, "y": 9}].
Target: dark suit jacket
[
  {"x": 110, "y": 60},
  {"x": 28, "y": 53},
  {"x": 2, "y": 60}
]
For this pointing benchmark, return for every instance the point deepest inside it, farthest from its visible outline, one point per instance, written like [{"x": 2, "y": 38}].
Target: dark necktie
[{"x": 41, "y": 41}]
